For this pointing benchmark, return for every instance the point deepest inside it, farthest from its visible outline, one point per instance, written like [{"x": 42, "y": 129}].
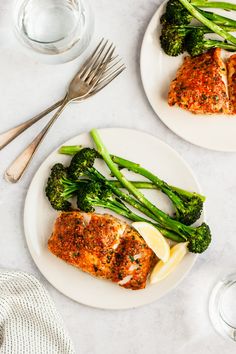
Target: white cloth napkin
[{"x": 29, "y": 321}]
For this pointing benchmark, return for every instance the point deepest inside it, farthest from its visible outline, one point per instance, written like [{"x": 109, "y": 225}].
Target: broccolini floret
[
  {"x": 176, "y": 13},
  {"x": 56, "y": 189},
  {"x": 173, "y": 38},
  {"x": 81, "y": 162}
]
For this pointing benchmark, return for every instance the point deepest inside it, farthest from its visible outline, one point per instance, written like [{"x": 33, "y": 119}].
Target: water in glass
[{"x": 54, "y": 27}]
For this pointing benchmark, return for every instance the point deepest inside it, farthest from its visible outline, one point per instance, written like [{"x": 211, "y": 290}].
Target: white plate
[
  {"x": 39, "y": 218},
  {"x": 216, "y": 132}
]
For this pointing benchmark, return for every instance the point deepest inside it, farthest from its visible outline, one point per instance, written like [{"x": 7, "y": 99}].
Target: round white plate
[
  {"x": 39, "y": 218},
  {"x": 216, "y": 132}
]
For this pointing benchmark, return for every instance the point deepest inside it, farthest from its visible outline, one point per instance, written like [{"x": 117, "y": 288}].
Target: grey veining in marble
[{"x": 179, "y": 322}]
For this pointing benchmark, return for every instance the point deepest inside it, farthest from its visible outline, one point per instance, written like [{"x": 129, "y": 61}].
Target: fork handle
[
  {"x": 11, "y": 134},
  {"x": 18, "y": 167}
]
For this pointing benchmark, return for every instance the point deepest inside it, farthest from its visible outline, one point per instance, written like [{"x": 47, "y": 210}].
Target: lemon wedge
[
  {"x": 162, "y": 270},
  {"x": 154, "y": 239}
]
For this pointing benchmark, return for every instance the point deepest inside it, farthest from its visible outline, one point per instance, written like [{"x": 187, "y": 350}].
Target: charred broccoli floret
[
  {"x": 173, "y": 37},
  {"x": 58, "y": 189},
  {"x": 82, "y": 162},
  {"x": 187, "y": 209},
  {"x": 199, "y": 238},
  {"x": 176, "y": 13},
  {"x": 94, "y": 194}
]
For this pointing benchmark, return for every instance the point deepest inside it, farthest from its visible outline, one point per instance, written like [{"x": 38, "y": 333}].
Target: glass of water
[{"x": 57, "y": 30}]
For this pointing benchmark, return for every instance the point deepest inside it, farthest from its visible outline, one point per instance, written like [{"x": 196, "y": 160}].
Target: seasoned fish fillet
[
  {"x": 103, "y": 246},
  {"x": 231, "y": 68},
  {"x": 199, "y": 86}
]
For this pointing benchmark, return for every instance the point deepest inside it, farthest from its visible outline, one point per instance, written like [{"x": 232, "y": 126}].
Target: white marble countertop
[{"x": 178, "y": 323}]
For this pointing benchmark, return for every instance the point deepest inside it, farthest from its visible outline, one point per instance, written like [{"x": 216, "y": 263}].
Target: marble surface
[{"x": 178, "y": 323}]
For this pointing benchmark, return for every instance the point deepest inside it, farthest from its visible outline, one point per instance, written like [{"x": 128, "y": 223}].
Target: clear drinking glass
[
  {"x": 222, "y": 308},
  {"x": 57, "y": 30}
]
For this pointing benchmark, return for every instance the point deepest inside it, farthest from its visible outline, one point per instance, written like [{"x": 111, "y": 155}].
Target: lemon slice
[
  {"x": 154, "y": 239},
  {"x": 162, "y": 270}
]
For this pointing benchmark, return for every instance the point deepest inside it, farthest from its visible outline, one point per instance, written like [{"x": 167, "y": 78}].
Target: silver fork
[
  {"x": 97, "y": 72},
  {"x": 11, "y": 134}
]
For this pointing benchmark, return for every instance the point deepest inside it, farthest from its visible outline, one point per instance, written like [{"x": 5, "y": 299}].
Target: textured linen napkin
[{"x": 29, "y": 321}]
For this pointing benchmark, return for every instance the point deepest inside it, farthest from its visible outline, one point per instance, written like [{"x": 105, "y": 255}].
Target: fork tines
[{"x": 103, "y": 66}]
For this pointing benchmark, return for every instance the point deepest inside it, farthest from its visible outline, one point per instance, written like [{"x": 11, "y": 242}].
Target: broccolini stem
[
  {"x": 73, "y": 149},
  {"x": 218, "y": 19},
  {"x": 214, "y": 27},
  {"x": 226, "y": 28},
  {"x": 214, "y": 4},
  {"x": 142, "y": 171},
  {"x": 134, "y": 167},
  {"x": 71, "y": 188},
  {"x": 97, "y": 176},
  {"x": 220, "y": 44},
  {"x": 70, "y": 149},
  {"x": 137, "y": 184}
]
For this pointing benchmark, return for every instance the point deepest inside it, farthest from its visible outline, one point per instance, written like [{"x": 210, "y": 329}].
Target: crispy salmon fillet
[
  {"x": 103, "y": 246},
  {"x": 231, "y": 68},
  {"x": 199, "y": 85}
]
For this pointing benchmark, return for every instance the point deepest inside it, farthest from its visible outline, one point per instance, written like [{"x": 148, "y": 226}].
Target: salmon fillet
[
  {"x": 231, "y": 68},
  {"x": 199, "y": 86},
  {"x": 103, "y": 246}
]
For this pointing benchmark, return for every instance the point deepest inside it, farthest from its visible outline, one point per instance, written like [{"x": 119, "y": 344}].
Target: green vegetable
[
  {"x": 214, "y": 4},
  {"x": 206, "y": 22},
  {"x": 137, "y": 184},
  {"x": 174, "y": 38},
  {"x": 57, "y": 191},
  {"x": 196, "y": 44},
  {"x": 199, "y": 238},
  {"x": 178, "y": 13},
  {"x": 82, "y": 162},
  {"x": 70, "y": 149},
  {"x": 218, "y": 19}
]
